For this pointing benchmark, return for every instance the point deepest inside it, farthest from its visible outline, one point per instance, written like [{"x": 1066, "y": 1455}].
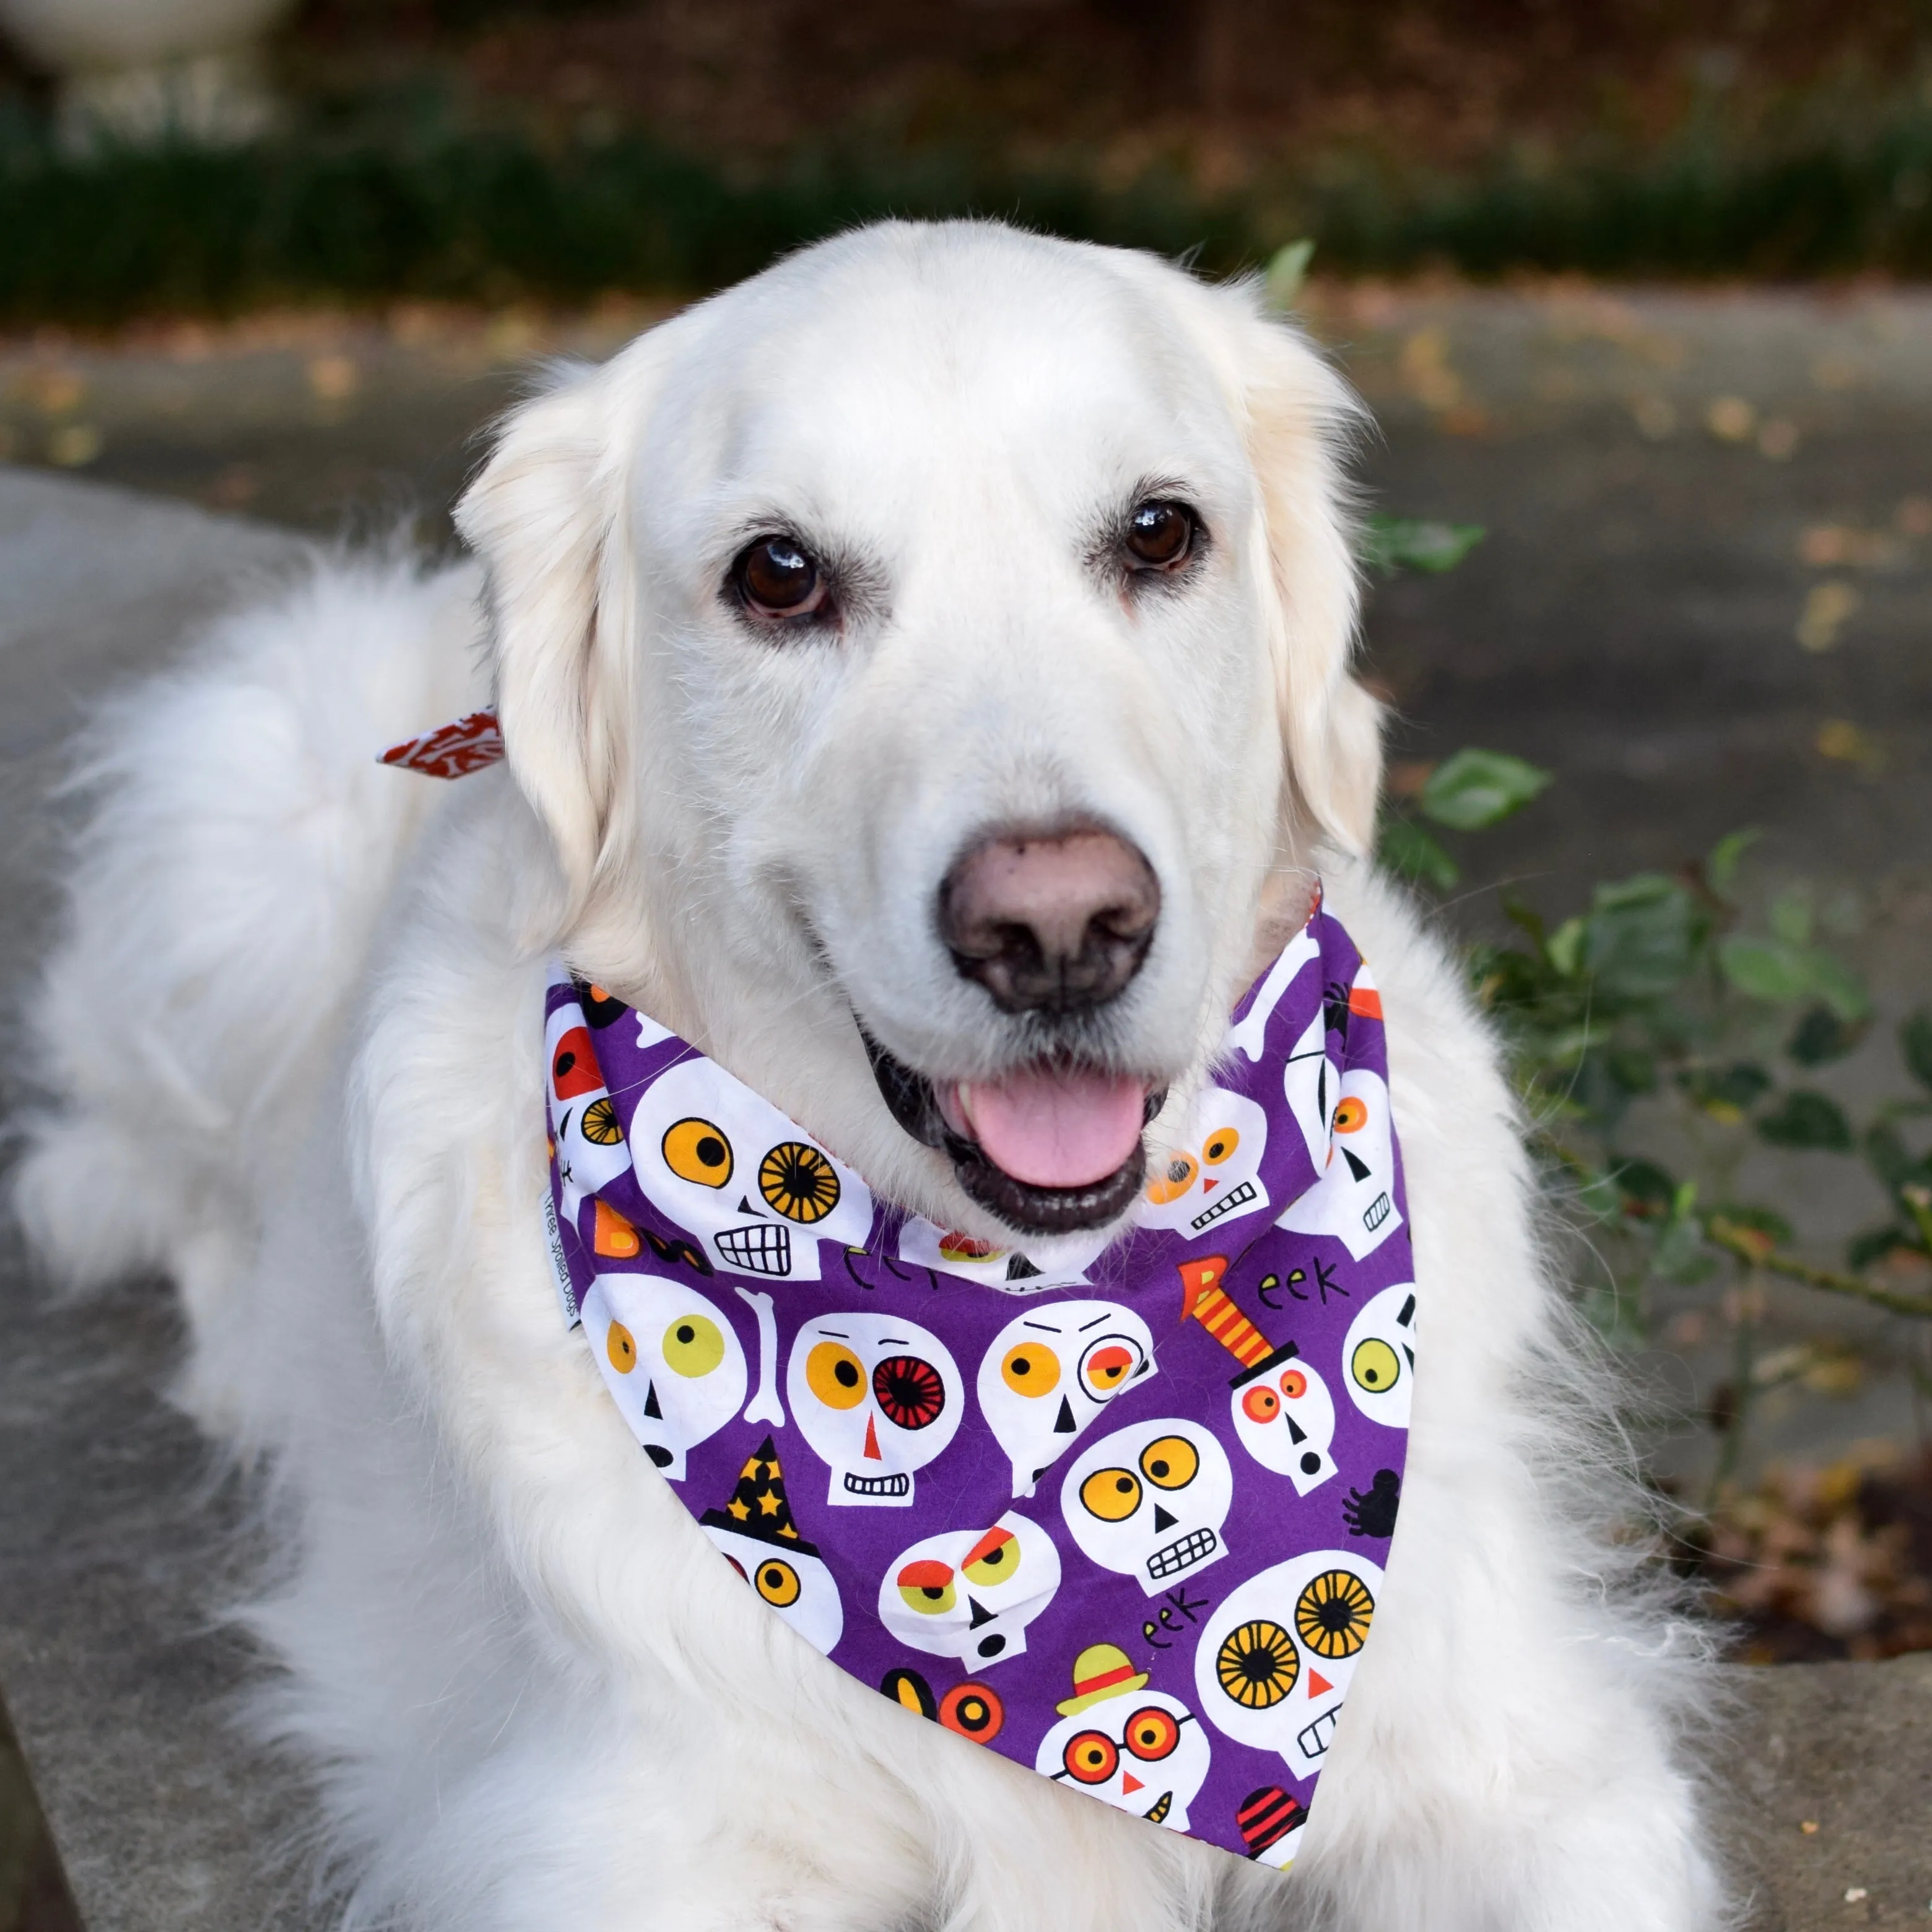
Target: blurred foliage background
[{"x": 489, "y": 150}]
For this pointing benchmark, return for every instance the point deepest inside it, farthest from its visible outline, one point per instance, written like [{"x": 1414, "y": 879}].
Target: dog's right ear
[{"x": 545, "y": 515}]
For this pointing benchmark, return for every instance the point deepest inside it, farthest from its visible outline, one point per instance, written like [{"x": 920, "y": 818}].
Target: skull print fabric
[{"x": 1122, "y": 1516}]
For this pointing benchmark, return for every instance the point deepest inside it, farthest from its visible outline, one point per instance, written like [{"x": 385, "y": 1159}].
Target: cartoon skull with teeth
[
  {"x": 731, "y": 1168},
  {"x": 1379, "y": 1355},
  {"x": 1149, "y": 1501},
  {"x": 670, "y": 1358},
  {"x": 1275, "y": 1659},
  {"x": 583, "y": 1123},
  {"x": 878, "y": 1399},
  {"x": 1050, "y": 1371},
  {"x": 1213, "y": 1177},
  {"x": 970, "y": 1594},
  {"x": 1354, "y": 1198}
]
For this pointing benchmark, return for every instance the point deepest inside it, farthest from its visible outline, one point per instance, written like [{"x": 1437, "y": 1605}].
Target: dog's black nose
[{"x": 1057, "y": 921}]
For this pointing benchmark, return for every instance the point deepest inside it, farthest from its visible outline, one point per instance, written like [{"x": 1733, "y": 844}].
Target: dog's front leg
[{"x": 1511, "y": 1754}]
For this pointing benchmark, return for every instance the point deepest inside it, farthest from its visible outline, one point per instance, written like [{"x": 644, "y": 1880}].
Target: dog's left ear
[
  {"x": 545, "y": 515},
  {"x": 1298, "y": 418}
]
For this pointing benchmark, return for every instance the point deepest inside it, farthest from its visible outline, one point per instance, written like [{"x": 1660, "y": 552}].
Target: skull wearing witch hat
[{"x": 760, "y": 1541}]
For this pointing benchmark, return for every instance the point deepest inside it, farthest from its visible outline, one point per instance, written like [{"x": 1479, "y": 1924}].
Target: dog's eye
[
  {"x": 777, "y": 577},
  {"x": 1160, "y": 536}
]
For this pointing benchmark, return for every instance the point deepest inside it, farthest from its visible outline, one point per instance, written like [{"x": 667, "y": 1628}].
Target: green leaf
[
  {"x": 1887, "y": 1155},
  {"x": 1528, "y": 920},
  {"x": 1648, "y": 1192},
  {"x": 1640, "y": 937},
  {"x": 1821, "y": 1036},
  {"x": 1915, "y": 1041},
  {"x": 1680, "y": 1255},
  {"x": 1875, "y": 1243},
  {"x": 1808, "y": 1119},
  {"x": 1838, "y": 986},
  {"x": 1760, "y": 1220},
  {"x": 1726, "y": 1092},
  {"x": 1600, "y": 1197},
  {"x": 1566, "y": 947},
  {"x": 1766, "y": 969},
  {"x": 1721, "y": 868},
  {"x": 1406, "y": 849},
  {"x": 1390, "y": 544},
  {"x": 1632, "y": 1069},
  {"x": 1287, "y": 270},
  {"x": 1791, "y": 916},
  {"x": 1477, "y": 788}
]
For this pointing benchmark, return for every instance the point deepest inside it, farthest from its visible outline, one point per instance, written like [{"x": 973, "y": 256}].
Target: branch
[{"x": 1755, "y": 1250}]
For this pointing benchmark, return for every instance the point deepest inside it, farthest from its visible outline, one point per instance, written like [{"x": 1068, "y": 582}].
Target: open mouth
[{"x": 1024, "y": 1147}]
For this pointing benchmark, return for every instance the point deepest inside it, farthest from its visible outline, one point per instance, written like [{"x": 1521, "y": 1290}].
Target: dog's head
[{"x": 931, "y": 660}]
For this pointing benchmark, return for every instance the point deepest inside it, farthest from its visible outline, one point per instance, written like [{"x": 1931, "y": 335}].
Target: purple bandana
[{"x": 1118, "y": 1514}]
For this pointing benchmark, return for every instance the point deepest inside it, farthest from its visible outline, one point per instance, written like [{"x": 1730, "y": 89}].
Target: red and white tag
[{"x": 451, "y": 751}]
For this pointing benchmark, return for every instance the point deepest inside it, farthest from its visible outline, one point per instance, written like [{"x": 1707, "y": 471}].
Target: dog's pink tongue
[{"x": 1055, "y": 1127}]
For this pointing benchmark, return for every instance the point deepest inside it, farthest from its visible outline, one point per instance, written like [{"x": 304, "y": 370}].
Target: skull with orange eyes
[
  {"x": 1354, "y": 1198},
  {"x": 728, "y": 1167},
  {"x": 1149, "y": 1501},
  {"x": 1048, "y": 1372},
  {"x": 1276, "y": 1656},
  {"x": 969, "y": 1593},
  {"x": 1213, "y": 1177},
  {"x": 1138, "y": 1750},
  {"x": 670, "y": 1357},
  {"x": 1285, "y": 1417},
  {"x": 877, "y": 1398}
]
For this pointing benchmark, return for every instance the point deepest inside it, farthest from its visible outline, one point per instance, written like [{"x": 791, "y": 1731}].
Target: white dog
[{"x": 925, "y": 539}]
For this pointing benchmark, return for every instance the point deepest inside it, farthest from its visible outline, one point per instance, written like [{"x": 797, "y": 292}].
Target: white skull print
[
  {"x": 1141, "y": 1751},
  {"x": 730, "y": 1168},
  {"x": 1285, "y": 1417},
  {"x": 1249, "y": 1034},
  {"x": 1354, "y": 1198},
  {"x": 1213, "y": 1177},
  {"x": 1275, "y": 1659},
  {"x": 878, "y": 1399},
  {"x": 671, "y": 1360},
  {"x": 583, "y": 1123},
  {"x": 970, "y": 1594},
  {"x": 1313, "y": 1084},
  {"x": 1149, "y": 1501},
  {"x": 1061, "y": 1261},
  {"x": 797, "y": 1586},
  {"x": 1050, "y": 1371},
  {"x": 1379, "y": 1355}
]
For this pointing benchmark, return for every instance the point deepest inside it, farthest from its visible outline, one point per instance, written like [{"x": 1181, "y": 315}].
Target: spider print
[
  {"x": 1374, "y": 1514},
  {"x": 1335, "y": 1007}
]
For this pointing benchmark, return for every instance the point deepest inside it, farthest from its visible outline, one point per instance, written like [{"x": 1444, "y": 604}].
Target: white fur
[{"x": 292, "y": 1040}]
